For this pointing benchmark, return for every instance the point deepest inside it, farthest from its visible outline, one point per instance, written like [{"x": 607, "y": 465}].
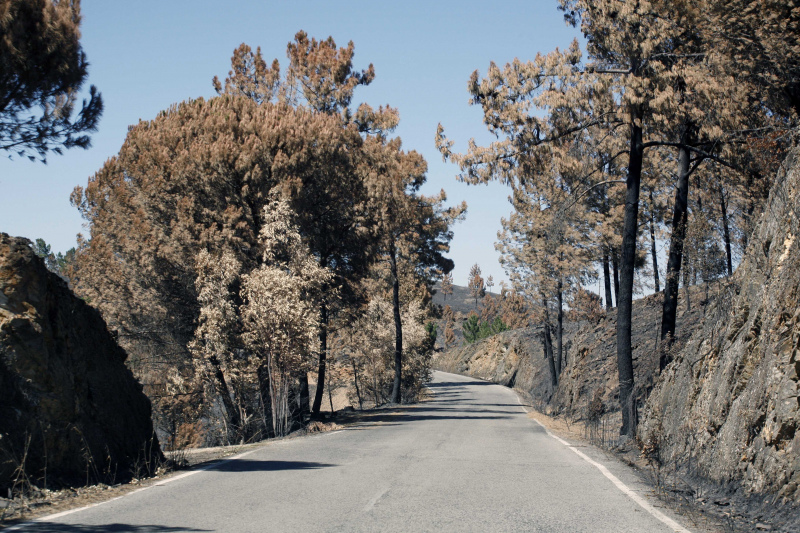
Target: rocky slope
[
  {"x": 515, "y": 358},
  {"x": 70, "y": 411},
  {"x": 723, "y": 417},
  {"x": 727, "y": 409}
]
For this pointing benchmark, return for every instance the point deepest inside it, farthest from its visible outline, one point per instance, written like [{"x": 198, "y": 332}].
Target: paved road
[{"x": 467, "y": 460}]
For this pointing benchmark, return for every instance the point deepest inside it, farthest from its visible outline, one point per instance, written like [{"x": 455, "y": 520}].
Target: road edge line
[
  {"x": 629, "y": 492},
  {"x": 50, "y": 518}
]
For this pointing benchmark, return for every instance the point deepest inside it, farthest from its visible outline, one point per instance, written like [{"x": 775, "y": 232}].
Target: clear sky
[{"x": 148, "y": 54}]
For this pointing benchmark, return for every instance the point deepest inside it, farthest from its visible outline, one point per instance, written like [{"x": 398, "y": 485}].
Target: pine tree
[
  {"x": 42, "y": 69},
  {"x": 150, "y": 216},
  {"x": 447, "y": 286},
  {"x": 320, "y": 78},
  {"x": 758, "y": 41},
  {"x": 476, "y": 287},
  {"x": 413, "y": 228}
]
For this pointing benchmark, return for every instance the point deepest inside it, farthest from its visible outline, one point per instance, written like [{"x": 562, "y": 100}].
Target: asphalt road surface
[{"x": 469, "y": 459}]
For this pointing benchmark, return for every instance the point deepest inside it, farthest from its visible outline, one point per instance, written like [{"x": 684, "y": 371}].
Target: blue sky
[{"x": 147, "y": 55}]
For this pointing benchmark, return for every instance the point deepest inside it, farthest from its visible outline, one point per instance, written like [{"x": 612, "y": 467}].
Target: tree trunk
[
  {"x": 548, "y": 346},
  {"x": 398, "y": 326},
  {"x": 323, "y": 353},
  {"x": 304, "y": 397},
  {"x": 679, "y": 220},
  {"x": 627, "y": 400},
  {"x": 607, "y": 279},
  {"x": 686, "y": 284},
  {"x": 653, "y": 251},
  {"x": 330, "y": 396},
  {"x": 375, "y": 386},
  {"x": 230, "y": 408},
  {"x": 726, "y": 233},
  {"x": 278, "y": 421},
  {"x": 266, "y": 399},
  {"x": 298, "y": 400},
  {"x": 749, "y": 211},
  {"x": 548, "y": 354},
  {"x": 355, "y": 381},
  {"x": 615, "y": 265},
  {"x": 560, "y": 328}
]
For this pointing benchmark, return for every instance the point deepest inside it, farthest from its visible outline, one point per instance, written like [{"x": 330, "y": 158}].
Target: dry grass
[
  {"x": 43, "y": 502},
  {"x": 561, "y": 427}
]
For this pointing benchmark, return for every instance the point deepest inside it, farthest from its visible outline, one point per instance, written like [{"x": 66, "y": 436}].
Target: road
[{"x": 469, "y": 459}]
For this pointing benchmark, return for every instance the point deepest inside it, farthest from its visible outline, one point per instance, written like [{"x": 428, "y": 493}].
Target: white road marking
[
  {"x": 630, "y": 493},
  {"x": 375, "y": 500},
  {"x": 52, "y": 517}
]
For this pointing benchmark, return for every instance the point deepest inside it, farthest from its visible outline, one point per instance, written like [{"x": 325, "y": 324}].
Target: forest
[
  {"x": 250, "y": 249},
  {"x": 241, "y": 243},
  {"x": 669, "y": 126}
]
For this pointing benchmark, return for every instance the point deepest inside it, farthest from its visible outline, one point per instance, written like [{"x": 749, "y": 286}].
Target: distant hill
[{"x": 459, "y": 301}]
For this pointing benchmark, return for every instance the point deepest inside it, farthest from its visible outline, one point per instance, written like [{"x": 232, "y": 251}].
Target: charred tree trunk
[
  {"x": 330, "y": 396},
  {"x": 231, "y": 412},
  {"x": 607, "y": 279},
  {"x": 627, "y": 400},
  {"x": 560, "y": 328},
  {"x": 323, "y": 355},
  {"x": 653, "y": 250},
  {"x": 726, "y": 232},
  {"x": 615, "y": 265},
  {"x": 686, "y": 283},
  {"x": 355, "y": 381},
  {"x": 398, "y": 326},
  {"x": 303, "y": 395},
  {"x": 298, "y": 399},
  {"x": 679, "y": 220},
  {"x": 547, "y": 341}
]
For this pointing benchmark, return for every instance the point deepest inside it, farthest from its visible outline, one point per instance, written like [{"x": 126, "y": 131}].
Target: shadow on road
[
  {"x": 458, "y": 384},
  {"x": 55, "y": 527},
  {"x": 427, "y": 407},
  {"x": 448, "y": 402},
  {"x": 249, "y": 465},
  {"x": 412, "y": 415}
]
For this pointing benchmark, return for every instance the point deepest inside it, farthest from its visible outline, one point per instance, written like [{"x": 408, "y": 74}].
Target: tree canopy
[{"x": 42, "y": 69}]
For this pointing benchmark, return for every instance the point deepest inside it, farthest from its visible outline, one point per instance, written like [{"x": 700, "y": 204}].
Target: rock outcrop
[
  {"x": 70, "y": 410},
  {"x": 727, "y": 409}
]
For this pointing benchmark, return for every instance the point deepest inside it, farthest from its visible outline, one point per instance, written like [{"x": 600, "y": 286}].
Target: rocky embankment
[
  {"x": 516, "y": 358},
  {"x": 723, "y": 416},
  {"x": 70, "y": 410},
  {"x": 728, "y": 408}
]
